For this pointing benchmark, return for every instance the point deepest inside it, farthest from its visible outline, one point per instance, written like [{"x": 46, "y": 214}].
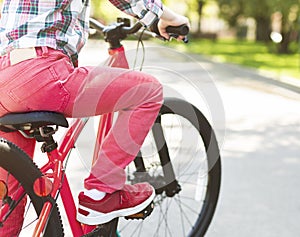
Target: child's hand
[{"x": 170, "y": 18}]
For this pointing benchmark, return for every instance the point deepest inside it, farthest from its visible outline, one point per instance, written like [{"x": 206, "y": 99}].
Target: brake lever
[
  {"x": 172, "y": 35},
  {"x": 175, "y": 36}
]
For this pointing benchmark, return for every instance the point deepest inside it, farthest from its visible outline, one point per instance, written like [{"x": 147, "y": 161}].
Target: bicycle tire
[
  {"x": 18, "y": 163},
  {"x": 203, "y": 216}
]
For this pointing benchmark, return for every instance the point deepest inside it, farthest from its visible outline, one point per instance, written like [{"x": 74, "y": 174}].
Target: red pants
[{"x": 50, "y": 82}]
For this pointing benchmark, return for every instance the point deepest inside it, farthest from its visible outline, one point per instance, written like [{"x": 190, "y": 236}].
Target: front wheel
[{"x": 181, "y": 159}]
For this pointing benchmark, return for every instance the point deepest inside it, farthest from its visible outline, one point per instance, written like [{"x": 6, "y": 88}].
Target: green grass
[{"x": 249, "y": 54}]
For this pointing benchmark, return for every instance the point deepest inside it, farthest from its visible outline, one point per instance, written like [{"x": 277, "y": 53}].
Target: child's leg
[{"x": 137, "y": 97}]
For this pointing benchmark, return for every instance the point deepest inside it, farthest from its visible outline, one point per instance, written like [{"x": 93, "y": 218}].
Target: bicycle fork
[{"x": 167, "y": 182}]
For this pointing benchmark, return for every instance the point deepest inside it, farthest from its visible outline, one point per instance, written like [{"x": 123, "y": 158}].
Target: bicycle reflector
[
  {"x": 42, "y": 186},
  {"x": 3, "y": 190}
]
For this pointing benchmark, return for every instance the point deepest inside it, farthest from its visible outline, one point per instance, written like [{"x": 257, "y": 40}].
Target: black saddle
[{"x": 31, "y": 120}]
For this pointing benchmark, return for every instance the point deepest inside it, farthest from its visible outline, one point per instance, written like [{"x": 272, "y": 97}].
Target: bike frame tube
[
  {"x": 104, "y": 126},
  {"x": 42, "y": 221},
  {"x": 71, "y": 136},
  {"x": 70, "y": 208},
  {"x": 117, "y": 59}
]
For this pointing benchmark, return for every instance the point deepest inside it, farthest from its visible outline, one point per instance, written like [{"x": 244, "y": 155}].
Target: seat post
[{"x": 45, "y": 135}]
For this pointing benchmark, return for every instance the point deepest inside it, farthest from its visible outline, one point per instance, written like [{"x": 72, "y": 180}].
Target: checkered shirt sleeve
[{"x": 147, "y": 11}]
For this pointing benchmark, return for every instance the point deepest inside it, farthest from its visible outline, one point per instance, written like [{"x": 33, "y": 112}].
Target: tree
[
  {"x": 261, "y": 11},
  {"x": 289, "y": 10},
  {"x": 233, "y": 10},
  {"x": 200, "y": 4}
]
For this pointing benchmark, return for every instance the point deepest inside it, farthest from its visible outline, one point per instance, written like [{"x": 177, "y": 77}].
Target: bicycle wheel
[
  {"x": 181, "y": 159},
  {"x": 19, "y": 166}
]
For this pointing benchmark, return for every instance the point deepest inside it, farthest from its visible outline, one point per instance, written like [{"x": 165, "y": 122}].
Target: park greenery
[
  {"x": 234, "y": 13},
  {"x": 281, "y": 58},
  {"x": 256, "y": 55},
  {"x": 262, "y": 11}
]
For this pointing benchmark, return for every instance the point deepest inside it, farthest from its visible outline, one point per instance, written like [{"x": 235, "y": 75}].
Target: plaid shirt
[{"x": 59, "y": 24}]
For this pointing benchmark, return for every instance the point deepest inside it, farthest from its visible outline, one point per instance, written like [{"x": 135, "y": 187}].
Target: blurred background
[{"x": 262, "y": 34}]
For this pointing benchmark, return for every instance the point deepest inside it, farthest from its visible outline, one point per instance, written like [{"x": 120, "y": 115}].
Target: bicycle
[{"x": 177, "y": 181}]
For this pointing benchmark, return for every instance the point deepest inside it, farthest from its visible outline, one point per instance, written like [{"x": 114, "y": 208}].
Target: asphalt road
[
  {"x": 258, "y": 127},
  {"x": 261, "y": 163}
]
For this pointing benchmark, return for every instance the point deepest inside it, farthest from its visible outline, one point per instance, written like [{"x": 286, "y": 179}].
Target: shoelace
[{"x": 123, "y": 197}]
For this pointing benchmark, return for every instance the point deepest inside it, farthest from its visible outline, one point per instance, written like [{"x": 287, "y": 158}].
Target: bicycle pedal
[{"x": 142, "y": 214}]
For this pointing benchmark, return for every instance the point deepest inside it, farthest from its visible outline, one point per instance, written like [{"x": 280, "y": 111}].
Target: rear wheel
[
  {"x": 17, "y": 165},
  {"x": 181, "y": 159}
]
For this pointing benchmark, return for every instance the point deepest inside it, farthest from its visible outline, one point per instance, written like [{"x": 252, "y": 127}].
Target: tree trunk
[
  {"x": 263, "y": 29},
  {"x": 200, "y": 8},
  {"x": 283, "y": 47},
  {"x": 286, "y": 36}
]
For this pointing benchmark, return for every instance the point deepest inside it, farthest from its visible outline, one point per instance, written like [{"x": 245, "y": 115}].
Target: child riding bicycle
[{"x": 39, "y": 46}]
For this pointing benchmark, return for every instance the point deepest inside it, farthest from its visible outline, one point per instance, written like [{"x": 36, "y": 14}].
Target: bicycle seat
[{"x": 31, "y": 120}]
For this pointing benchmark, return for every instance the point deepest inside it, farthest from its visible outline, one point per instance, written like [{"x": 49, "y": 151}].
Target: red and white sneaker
[{"x": 130, "y": 200}]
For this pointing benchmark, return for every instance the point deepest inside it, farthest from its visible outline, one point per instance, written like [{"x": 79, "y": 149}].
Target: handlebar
[
  {"x": 116, "y": 32},
  {"x": 128, "y": 30}
]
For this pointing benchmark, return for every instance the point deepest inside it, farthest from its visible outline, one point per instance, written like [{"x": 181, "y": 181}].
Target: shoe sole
[{"x": 97, "y": 218}]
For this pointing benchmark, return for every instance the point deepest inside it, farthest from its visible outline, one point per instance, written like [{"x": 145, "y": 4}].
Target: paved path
[
  {"x": 261, "y": 156},
  {"x": 258, "y": 126}
]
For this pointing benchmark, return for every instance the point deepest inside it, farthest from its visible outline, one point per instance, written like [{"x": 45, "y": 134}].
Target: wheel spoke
[
  {"x": 181, "y": 216},
  {"x": 164, "y": 215},
  {"x": 180, "y": 204}
]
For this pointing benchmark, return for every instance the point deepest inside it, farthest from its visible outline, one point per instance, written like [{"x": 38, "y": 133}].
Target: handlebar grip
[{"x": 178, "y": 30}]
